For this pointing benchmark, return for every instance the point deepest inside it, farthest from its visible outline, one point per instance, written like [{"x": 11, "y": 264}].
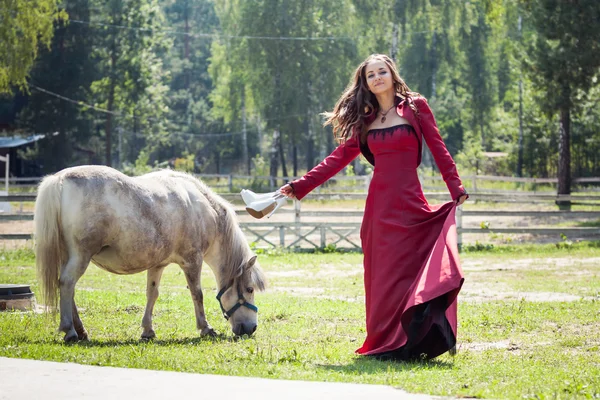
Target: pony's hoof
[
  {"x": 83, "y": 336},
  {"x": 148, "y": 335},
  {"x": 210, "y": 332},
  {"x": 71, "y": 337}
]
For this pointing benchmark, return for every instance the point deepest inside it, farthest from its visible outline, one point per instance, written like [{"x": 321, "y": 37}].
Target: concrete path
[{"x": 30, "y": 379}]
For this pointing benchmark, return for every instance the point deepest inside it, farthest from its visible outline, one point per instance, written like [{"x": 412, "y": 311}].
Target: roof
[
  {"x": 16, "y": 141},
  {"x": 494, "y": 154}
]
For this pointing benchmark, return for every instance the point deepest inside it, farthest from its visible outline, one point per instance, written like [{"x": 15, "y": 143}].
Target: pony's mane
[{"x": 234, "y": 261}]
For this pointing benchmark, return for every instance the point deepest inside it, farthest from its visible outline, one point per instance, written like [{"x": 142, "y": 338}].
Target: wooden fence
[
  {"x": 297, "y": 229},
  {"x": 360, "y": 183}
]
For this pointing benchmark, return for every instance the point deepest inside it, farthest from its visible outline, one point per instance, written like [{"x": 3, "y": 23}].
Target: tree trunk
[
  {"x": 483, "y": 144},
  {"x": 245, "y": 159},
  {"x": 273, "y": 159},
  {"x": 394, "y": 49},
  {"x": 564, "y": 152},
  {"x": 109, "y": 117},
  {"x": 433, "y": 64},
  {"x": 520, "y": 145},
  {"x": 282, "y": 156},
  {"x": 111, "y": 100},
  {"x": 295, "y": 159},
  {"x": 310, "y": 146}
]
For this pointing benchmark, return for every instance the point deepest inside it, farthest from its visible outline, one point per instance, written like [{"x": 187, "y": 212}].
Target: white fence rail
[
  {"x": 300, "y": 232},
  {"x": 361, "y": 182}
]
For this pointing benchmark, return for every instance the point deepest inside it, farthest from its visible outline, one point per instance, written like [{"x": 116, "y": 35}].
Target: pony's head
[
  {"x": 238, "y": 274},
  {"x": 236, "y": 297}
]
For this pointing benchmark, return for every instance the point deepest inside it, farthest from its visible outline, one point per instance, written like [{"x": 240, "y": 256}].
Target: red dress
[{"x": 412, "y": 271}]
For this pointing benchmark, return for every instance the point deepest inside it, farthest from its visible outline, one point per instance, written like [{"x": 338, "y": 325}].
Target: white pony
[{"x": 127, "y": 225}]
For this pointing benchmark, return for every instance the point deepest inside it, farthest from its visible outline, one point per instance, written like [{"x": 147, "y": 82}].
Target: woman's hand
[
  {"x": 461, "y": 199},
  {"x": 287, "y": 191}
]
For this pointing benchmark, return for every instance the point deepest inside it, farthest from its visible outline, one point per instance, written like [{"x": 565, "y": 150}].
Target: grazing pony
[{"x": 127, "y": 225}]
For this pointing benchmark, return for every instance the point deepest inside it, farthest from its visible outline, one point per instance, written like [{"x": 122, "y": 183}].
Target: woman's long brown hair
[{"x": 357, "y": 102}]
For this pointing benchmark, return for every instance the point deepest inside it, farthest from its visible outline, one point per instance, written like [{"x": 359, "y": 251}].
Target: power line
[
  {"x": 215, "y": 35},
  {"x": 79, "y": 103},
  {"x": 225, "y": 36}
]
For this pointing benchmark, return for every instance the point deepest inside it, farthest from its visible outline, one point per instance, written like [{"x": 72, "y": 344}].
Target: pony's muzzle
[{"x": 244, "y": 329}]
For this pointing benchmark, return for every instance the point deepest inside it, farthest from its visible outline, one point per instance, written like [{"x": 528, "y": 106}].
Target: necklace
[{"x": 383, "y": 114}]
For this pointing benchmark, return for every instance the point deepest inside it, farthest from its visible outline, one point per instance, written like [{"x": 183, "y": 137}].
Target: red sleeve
[
  {"x": 331, "y": 165},
  {"x": 442, "y": 157}
]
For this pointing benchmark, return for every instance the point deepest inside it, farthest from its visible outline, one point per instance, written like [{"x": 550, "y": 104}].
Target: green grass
[
  {"x": 311, "y": 320},
  {"x": 575, "y": 249}
]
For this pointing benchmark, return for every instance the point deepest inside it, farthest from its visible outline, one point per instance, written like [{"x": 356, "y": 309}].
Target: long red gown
[{"x": 412, "y": 270}]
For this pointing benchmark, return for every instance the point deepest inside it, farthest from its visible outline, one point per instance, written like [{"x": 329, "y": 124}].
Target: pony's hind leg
[
  {"x": 192, "y": 275},
  {"x": 78, "y": 325},
  {"x": 70, "y": 274},
  {"x": 152, "y": 283}
]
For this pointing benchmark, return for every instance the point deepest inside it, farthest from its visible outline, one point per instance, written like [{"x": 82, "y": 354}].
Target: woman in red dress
[{"x": 411, "y": 267}]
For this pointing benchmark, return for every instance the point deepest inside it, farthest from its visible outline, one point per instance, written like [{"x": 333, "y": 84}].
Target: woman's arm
[
  {"x": 331, "y": 165},
  {"x": 442, "y": 157}
]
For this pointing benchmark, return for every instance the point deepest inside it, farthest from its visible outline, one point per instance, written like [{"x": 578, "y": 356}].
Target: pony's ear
[{"x": 251, "y": 262}]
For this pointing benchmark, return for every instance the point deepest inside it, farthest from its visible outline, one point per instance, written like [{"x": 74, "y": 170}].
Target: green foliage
[
  {"x": 179, "y": 76},
  {"x": 565, "y": 243},
  {"x": 330, "y": 248},
  {"x": 281, "y": 81},
  {"x": 185, "y": 163},
  {"x": 261, "y": 169},
  {"x": 132, "y": 78},
  {"x": 24, "y": 26},
  {"x": 563, "y": 61},
  {"x": 140, "y": 167},
  {"x": 66, "y": 68},
  {"x": 477, "y": 247},
  {"x": 17, "y": 258}
]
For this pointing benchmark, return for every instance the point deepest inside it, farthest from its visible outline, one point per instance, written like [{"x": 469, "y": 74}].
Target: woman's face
[{"x": 379, "y": 77}]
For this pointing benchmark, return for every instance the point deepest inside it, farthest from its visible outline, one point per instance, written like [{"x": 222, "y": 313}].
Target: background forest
[{"x": 237, "y": 86}]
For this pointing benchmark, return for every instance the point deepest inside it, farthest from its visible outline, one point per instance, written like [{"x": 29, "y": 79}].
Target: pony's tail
[{"x": 50, "y": 249}]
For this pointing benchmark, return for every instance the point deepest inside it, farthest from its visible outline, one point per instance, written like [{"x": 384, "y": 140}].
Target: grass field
[{"x": 529, "y": 325}]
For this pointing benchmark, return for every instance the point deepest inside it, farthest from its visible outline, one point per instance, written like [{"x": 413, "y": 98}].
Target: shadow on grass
[
  {"x": 369, "y": 365},
  {"x": 99, "y": 343}
]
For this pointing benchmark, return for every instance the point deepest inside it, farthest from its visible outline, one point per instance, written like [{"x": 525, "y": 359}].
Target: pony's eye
[{"x": 250, "y": 290}]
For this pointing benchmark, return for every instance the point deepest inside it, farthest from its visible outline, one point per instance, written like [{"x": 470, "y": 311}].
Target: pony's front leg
[
  {"x": 152, "y": 283},
  {"x": 70, "y": 274},
  {"x": 192, "y": 275}
]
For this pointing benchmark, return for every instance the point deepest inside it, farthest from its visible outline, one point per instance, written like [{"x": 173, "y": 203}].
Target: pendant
[{"x": 383, "y": 119}]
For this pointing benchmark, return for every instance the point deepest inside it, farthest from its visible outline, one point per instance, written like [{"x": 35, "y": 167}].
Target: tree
[
  {"x": 65, "y": 69},
  {"x": 132, "y": 83},
  {"x": 23, "y": 27},
  {"x": 278, "y": 60},
  {"x": 190, "y": 117},
  {"x": 564, "y": 58}
]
